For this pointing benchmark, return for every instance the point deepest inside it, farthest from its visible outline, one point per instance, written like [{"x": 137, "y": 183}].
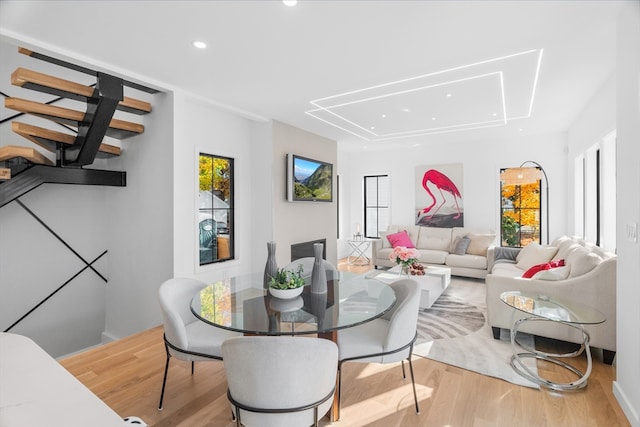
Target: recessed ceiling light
[
  {"x": 290, "y": 3},
  {"x": 449, "y": 95},
  {"x": 384, "y": 116},
  {"x": 406, "y": 110},
  {"x": 494, "y": 114},
  {"x": 433, "y": 118},
  {"x": 199, "y": 44}
]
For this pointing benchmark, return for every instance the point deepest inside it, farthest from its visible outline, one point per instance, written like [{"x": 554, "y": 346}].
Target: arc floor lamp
[{"x": 528, "y": 175}]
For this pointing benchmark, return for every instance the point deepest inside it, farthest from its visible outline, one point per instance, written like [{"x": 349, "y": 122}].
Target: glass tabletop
[
  {"x": 550, "y": 308},
  {"x": 242, "y": 304}
]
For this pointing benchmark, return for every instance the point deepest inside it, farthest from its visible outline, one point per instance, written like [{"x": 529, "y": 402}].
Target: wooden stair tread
[
  {"x": 9, "y": 152},
  {"x": 48, "y": 139},
  {"x": 119, "y": 129},
  {"x": 68, "y": 89}
]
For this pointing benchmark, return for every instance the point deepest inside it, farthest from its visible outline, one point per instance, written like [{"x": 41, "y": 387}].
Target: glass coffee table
[{"x": 548, "y": 309}]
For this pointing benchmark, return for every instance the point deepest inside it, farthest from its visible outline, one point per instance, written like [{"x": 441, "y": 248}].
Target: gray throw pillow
[{"x": 460, "y": 245}]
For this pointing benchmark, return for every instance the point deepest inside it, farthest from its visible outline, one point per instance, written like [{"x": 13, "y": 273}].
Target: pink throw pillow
[
  {"x": 400, "y": 239},
  {"x": 546, "y": 266}
]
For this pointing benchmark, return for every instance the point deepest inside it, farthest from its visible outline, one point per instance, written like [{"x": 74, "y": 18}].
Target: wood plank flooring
[{"x": 127, "y": 375}]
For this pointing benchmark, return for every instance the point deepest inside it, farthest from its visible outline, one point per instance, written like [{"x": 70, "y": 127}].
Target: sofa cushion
[
  {"x": 582, "y": 261},
  {"x": 384, "y": 253},
  {"x": 384, "y": 240},
  {"x": 559, "y": 240},
  {"x": 434, "y": 238},
  {"x": 460, "y": 245},
  {"x": 480, "y": 243},
  {"x": 559, "y": 273},
  {"x": 540, "y": 267},
  {"x": 466, "y": 261},
  {"x": 430, "y": 256},
  {"x": 534, "y": 254},
  {"x": 506, "y": 270},
  {"x": 400, "y": 239},
  {"x": 565, "y": 248}
]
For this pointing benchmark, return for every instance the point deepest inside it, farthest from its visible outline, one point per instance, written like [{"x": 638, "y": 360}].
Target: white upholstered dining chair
[
  {"x": 186, "y": 337},
  {"x": 387, "y": 339},
  {"x": 279, "y": 381}
]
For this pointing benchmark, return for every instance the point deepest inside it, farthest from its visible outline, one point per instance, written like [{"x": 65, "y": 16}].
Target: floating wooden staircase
[{"x": 24, "y": 168}]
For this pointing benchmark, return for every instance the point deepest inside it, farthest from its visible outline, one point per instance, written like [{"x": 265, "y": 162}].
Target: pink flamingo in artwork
[{"x": 442, "y": 182}]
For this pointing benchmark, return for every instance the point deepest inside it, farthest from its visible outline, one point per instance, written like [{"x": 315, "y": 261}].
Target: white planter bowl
[
  {"x": 286, "y": 305},
  {"x": 285, "y": 293}
]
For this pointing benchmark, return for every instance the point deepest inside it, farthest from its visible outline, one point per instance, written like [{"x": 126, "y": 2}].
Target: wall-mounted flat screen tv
[{"x": 308, "y": 179}]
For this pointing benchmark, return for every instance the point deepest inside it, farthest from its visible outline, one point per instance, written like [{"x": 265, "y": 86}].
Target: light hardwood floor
[{"x": 127, "y": 375}]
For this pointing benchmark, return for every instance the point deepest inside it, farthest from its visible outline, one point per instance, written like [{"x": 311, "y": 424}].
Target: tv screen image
[{"x": 309, "y": 179}]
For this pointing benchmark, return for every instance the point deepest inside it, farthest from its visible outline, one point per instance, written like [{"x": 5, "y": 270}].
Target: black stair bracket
[
  {"x": 91, "y": 132},
  {"x": 37, "y": 175}
]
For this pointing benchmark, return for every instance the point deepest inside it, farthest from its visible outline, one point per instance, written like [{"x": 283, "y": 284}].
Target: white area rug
[{"x": 455, "y": 331}]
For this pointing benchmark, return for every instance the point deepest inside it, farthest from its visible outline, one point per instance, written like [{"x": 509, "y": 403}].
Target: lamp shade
[{"x": 520, "y": 176}]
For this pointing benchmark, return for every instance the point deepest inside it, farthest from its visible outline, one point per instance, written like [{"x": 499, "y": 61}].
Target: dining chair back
[
  {"x": 186, "y": 337},
  {"x": 279, "y": 381},
  {"x": 387, "y": 339}
]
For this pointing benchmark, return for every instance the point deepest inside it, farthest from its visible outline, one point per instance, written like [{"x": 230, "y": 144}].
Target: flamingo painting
[{"x": 443, "y": 183}]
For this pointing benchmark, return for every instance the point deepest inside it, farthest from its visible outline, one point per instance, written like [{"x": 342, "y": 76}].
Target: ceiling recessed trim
[{"x": 511, "y": 94}]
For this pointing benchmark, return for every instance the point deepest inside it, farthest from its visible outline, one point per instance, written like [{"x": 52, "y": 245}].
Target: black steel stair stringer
[{"x": 92, "y": 130}]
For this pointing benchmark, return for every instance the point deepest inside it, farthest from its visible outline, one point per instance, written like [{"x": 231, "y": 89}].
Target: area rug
[{"x": 455, "y": 331}]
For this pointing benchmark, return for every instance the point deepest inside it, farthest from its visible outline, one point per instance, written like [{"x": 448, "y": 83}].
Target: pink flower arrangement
[{"x": 404, "y": 256}]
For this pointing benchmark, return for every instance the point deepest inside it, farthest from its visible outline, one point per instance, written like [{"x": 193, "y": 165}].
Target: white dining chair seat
[
  {"x": 186, "y": 337},
  {"x": 387, "y": 339},
  {"x": 367, "y": 338},
  {"x": 206, "y": 339}
]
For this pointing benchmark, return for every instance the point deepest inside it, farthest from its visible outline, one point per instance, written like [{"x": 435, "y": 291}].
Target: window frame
[
  {"x": 229, "y": 215},
  {"x": 377, "y": 207},
  {"x": 536, "y": 235}
]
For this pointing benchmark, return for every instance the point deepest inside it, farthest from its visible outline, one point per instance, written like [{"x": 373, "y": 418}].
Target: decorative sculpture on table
[
  {"x": 318, "y": 274},
  {"x": 271, "y": 267}
]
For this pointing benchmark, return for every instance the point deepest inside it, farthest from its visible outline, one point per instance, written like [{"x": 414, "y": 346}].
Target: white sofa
[
  {"x": 435, "y": 247},
  {"x": 588, "y": 278}
]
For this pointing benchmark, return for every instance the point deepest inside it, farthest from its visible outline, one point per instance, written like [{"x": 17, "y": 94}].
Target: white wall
[
  {"x": 34, "y": 263},
  {"x": 481, "y": 160},
  {"x": 627, "y": 385},
  {"x": 597, "y": 120},
  {"x": 295, "y": 222},
  {"x": 205, "y": 127},
  {"x": 140, "y": 225}
]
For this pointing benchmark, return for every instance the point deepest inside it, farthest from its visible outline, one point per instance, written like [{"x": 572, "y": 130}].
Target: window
[
  {"x": 520, "y": 213},
  {"x": 595, "y": 193},
  {"x": 215, "y": 215},
  {"x": 376, "y": 205}
]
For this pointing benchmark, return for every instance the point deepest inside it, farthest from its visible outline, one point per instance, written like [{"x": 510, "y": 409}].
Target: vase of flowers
[{"x": 404, "y": 257}]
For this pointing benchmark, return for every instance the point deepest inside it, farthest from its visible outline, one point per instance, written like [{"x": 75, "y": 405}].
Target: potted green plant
[{"x": 286, "y": 284}]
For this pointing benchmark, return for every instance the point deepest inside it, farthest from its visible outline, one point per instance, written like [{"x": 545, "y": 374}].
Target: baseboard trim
[
  {"x": 624, "y": 403},
  {"x": 107, "y": 337}
]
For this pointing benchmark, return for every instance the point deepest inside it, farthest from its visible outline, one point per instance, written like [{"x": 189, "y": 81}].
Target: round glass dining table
[{"x": 242, "y": 304}]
